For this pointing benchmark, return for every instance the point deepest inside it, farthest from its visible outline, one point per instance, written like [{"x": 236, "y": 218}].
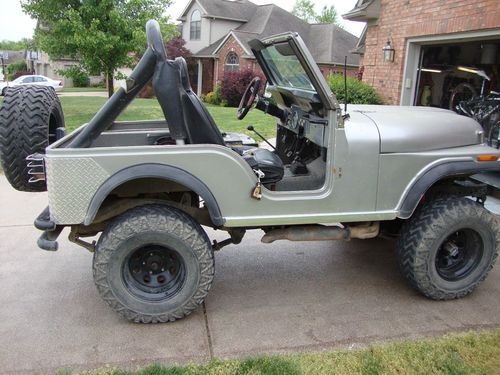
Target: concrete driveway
[{"x": 265, "y": 299}]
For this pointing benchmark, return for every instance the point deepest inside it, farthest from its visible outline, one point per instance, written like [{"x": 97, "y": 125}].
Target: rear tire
[
  {"x": 29, "y": 118},
  {"x": 448, "y": 247},
  {"x": 153, "y": 264}
]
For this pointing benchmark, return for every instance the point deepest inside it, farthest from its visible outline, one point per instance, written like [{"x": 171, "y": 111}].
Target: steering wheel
[
  {"x": 248, "y": 98},
  {"x": 155, "y": 40}
]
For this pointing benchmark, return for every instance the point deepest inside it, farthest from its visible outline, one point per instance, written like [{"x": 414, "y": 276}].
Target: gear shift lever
[{"x": 252, "y": 129}]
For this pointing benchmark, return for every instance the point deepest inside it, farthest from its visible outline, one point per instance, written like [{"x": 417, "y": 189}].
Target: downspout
[{"x": 200, "y": 78}]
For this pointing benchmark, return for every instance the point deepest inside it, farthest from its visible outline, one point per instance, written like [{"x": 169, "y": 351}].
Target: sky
[{"x": 15, "y": 25}]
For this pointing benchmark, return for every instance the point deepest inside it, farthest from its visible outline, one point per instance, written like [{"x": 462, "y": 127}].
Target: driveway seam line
[
  {"x": 16, "y": 226},
  {"x": 209, "y": 335}
]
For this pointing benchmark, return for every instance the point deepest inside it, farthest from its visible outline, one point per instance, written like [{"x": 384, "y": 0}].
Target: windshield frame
[{"x": 306, "y": 60}]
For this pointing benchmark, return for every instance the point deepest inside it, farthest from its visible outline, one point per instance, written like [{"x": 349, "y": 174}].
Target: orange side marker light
[{"x": 487, "y": 158}]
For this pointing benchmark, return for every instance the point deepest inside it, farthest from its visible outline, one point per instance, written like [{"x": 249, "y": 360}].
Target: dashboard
[{"x": 306, "y": 125}]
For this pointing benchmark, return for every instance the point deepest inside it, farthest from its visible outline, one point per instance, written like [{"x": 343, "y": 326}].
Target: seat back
[
  {"x": 168, "y": 89},
  {"x": 200, "y": 125}
]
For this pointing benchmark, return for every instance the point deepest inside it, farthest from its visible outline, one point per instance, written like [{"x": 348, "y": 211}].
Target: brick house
[
  {"x": 436, "y": 45},
  {"x": 217, "y": 32}
]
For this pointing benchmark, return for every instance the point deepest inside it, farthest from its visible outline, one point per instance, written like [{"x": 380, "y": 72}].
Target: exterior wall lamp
[{"x": 388, "y": 52}]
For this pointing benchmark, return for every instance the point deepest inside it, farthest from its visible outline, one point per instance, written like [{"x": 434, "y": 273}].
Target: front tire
[
  {"x": 448, "y": 247},
  {"x": 153, "y": 264}
]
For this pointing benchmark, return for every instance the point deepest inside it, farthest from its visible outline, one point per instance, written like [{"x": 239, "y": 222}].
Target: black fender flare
[
  {"x": 437, "y": 173},
  {"x": 165, "y": 172}
]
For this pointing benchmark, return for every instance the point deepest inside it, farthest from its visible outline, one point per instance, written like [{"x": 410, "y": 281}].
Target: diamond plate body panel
[{"x": 72, "y": 182}]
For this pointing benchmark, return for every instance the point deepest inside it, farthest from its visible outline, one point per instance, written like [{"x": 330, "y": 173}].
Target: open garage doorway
[{"x": 451, "y": 72}]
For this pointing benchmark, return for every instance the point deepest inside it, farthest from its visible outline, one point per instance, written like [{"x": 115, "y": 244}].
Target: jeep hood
[{"x": 417, "y": 129}]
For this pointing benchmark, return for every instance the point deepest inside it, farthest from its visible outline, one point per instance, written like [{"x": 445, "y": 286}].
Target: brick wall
[
  {"x": 232, "y": 45},
  {"x": 403, "y": 19}
]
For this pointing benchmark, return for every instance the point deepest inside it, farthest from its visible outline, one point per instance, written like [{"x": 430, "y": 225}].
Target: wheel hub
[
  {"x": 154, "y": 270},
  {"x": 459, "y": 254}
]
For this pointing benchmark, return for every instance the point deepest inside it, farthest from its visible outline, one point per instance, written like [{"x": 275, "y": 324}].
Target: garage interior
[{"x": 442, "y": 67}]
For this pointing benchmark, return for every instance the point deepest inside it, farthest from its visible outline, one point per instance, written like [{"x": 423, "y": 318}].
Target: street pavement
[{"x": 276, "y": 298}]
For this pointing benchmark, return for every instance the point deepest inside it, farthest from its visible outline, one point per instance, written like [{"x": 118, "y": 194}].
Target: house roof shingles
[
  {"x": 241, "y": 10},
  {"x": 328, "y": 43}
]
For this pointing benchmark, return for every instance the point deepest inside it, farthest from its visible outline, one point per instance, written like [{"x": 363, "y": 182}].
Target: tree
[
  {"x": 104, "y": 35},
  {"x": 304, "y": 9},
  {"x": 20, "y": 45},
  {"x": 328, "y": 15},
  {"x": 175, "y": 48}
]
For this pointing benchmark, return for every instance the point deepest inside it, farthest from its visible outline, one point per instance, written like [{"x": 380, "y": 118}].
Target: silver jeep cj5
[{"x": 148, "y": 187}]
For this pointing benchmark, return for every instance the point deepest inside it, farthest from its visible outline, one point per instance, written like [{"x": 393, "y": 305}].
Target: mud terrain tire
[
  {"x": 153, "y": 264},
  {"x": 448, "y": 247},
  {"x": 29, "y": 118}
]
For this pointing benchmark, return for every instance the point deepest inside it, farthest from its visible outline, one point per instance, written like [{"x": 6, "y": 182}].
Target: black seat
[
  {"x": 200, "y": 125},
  {"x": 168, "y": 89}
]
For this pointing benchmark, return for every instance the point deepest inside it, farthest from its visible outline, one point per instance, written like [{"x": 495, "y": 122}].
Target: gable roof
[
  {"x": 339, "y": 44},
  {"x": 238, "y": 10},
  {"x": 270, "y": 19}
]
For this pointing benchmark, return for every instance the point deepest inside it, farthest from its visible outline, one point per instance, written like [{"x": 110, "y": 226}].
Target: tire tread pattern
[
  {"x": 24, "y": 130},
  {"x": 418, "y": 233},
  {"x": 139, "y": 220}
]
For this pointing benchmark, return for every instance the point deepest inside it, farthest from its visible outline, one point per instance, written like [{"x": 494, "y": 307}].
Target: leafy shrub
[
  {"x": 357, "y": 92},
  {"x": 214, "y": 97},
  {"x": 234, "y": 85},
  {"x": 77, "y": 74},
  {"x": 15, "y": 68}
]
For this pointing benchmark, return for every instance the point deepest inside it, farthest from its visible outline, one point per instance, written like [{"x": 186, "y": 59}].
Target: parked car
[{"x": 32, "y": 80}]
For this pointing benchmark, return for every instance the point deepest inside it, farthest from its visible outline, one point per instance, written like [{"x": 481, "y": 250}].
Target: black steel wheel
[
  {"x": 154, "y": 272},
  {"x": 153, "y": 264},
  {"x": 459, "y": 254},
  {"x": 448, "y": 247}
]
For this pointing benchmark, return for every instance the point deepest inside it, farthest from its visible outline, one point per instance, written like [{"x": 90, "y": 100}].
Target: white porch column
[{"x": 200, "y": 78}]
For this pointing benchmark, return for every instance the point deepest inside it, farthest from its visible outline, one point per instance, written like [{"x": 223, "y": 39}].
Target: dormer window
[
  {"x": 195, "y": 26},
  {"x": 232, "y": 62}
]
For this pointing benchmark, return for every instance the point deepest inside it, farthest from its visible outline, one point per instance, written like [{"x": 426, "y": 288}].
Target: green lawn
[
  {"x": 462, "y": 354},
  {"x": 79, "y": 110},
  {"x": 83, "y": 89}
]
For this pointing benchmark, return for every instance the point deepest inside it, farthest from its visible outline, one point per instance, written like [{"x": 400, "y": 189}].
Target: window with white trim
[
  {"x": 195, "y": 26},
  {"x": 232, "y": 62}
]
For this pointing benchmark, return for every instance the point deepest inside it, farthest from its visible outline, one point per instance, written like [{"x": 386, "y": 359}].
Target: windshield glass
[{"x": 285, "y": 67}]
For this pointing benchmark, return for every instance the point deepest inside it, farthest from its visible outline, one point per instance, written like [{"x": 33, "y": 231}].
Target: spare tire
[{"x": 29, "y": 119}]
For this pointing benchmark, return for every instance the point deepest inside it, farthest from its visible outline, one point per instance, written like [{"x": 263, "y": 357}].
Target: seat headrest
[{"x": 181, "y": 62}]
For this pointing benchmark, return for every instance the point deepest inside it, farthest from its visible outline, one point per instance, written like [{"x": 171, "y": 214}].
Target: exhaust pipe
[{"x": 322, "y": 233}]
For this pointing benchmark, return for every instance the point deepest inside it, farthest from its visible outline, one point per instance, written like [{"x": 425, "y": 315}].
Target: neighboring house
[
  {"x": 43, "y": 65},
  {"x": 436, "y": 46},
  {"x": 217, "y": 32}
]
